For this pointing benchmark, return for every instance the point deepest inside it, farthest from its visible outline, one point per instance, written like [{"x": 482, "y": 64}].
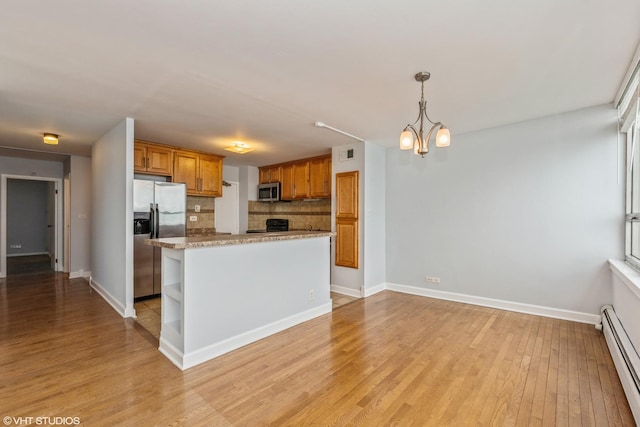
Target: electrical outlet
[
  {"x": 430, "y": 279},
  {"x": 196, "y": 208},
  {"x": 193, "y": 218},
  {"x": 312, "y": 295}
]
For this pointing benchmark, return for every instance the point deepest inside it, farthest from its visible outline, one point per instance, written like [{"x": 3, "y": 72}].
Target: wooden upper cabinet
[
  {"x": 320, "y": 177},
  {"x": 210, "y": 176},
  {"x": 201, "y": 173},
  {"x": 269, "y": 174},
  {"x": 294, "y": 181},
  {"x": 301, "y": 180},
  {"x": 286, "y": 182},
  {"x": 185, "y": 169},
  {"x": 152, "y": 159},
  {"x": 347, "y": 195}
]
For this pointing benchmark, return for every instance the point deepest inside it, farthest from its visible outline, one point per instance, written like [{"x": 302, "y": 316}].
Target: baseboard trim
[
  {"x": 518, "y": 307},
  {"x": 27, "y": 254},
  {"x": 374, "y": 290},
  {"x": 345, "y": 291},
  {"x": 79, "y": 274},
  {"x": 197, "y": 357},
  {"x": 117, "y": 306},
  {"x": 171, "y": 352}
]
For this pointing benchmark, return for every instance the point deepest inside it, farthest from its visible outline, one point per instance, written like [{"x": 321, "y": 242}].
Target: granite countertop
[{"x": 233, "y": 239}]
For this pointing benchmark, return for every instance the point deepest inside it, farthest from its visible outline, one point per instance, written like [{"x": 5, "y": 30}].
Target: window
[{"x": 628, "y": 109}]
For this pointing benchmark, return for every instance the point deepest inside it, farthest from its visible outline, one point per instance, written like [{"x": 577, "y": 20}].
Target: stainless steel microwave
[{"x": 269, "y": 192}]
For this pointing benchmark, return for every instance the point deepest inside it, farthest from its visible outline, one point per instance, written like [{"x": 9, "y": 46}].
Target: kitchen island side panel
[{"x": 235, "y": 289}]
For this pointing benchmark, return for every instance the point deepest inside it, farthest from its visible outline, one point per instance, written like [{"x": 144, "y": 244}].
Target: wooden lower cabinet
[{"x": 347, "y": 243}]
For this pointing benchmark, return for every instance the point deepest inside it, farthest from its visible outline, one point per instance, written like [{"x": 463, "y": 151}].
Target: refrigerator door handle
[
  {"x": 157, "y": 221},
  {"x": 152, "y": 221}
]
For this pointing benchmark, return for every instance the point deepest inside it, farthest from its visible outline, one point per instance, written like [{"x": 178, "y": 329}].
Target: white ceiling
[{"x": 202, "y": 74}]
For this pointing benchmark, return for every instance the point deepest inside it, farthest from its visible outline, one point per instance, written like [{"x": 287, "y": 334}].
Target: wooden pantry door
[{"x": 347, "y": 207}]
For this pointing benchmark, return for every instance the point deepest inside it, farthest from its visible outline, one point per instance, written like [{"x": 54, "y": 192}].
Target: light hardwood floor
[
  {"x": 148, "y": 312},
  {"x": 390, "y": 359}
]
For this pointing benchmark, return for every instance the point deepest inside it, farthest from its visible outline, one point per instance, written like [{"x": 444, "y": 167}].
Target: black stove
[
  {"x": 273, "y": 225},
  {"x": 277, "y": 224}
]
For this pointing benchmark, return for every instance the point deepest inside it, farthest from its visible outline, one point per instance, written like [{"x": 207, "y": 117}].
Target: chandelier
[{"x": 412, "y": 138}]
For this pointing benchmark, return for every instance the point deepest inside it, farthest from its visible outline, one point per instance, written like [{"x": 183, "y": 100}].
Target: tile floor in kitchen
[{"x": 148, "y": 311}]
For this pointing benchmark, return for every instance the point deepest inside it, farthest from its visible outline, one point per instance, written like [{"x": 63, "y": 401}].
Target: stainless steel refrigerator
[{"x": 159, "y": 210}]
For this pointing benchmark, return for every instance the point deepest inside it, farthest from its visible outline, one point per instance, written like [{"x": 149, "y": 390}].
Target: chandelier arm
[
  {"x": 428, "y": 138},
  {"x": 413, "y": 129},
  {"x": 419, "y": 113},
  {"x": 427, "y": 116}
]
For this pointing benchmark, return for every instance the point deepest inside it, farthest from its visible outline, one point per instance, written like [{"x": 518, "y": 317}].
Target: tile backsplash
[
  {"x": 205, "y": 223},
  {"x": 301, "y": 214}
]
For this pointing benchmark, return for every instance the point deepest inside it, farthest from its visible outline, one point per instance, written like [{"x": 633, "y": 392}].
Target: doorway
[
  {"x": 227, "y": 208},
  {"x": 30, "y": 224}
]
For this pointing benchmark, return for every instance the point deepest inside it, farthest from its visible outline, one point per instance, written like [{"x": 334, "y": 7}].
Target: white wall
[
  {"x": 230, "y": 173},
  {"x": 247, "y": 190},
  {"x": 374, "y": 240},
  {"x": 80, "y": 216},
  {"x": 253, "y": 178},
  {"x": 344, "y": 279},
  {"x": 528, "y": 212},
  {"x": 31, "y": 167},
  {"x": 111, "y": 207}
]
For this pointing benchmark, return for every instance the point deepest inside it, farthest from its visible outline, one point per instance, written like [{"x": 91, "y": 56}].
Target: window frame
[{"x": 630, "y": 127}]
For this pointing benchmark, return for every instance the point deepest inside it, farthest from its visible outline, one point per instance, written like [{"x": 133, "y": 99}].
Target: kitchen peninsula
[{"x": 223, "y": 292}]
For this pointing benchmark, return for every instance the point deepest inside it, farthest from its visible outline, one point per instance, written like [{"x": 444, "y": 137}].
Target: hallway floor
[{"x": 29, "y": 264}]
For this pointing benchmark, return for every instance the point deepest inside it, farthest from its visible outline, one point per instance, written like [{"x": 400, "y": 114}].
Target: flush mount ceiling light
[
  {"x": 50, "y": 138},
  {"x": 240, "y": 148},
  {"x": 412, "y": 138}
]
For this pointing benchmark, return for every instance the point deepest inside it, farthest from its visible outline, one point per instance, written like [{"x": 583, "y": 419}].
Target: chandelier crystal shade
[{"x": 412, "y": 138}]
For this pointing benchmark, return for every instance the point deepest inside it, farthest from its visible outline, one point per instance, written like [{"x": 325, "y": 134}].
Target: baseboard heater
[{"x": 624, "y": 356}]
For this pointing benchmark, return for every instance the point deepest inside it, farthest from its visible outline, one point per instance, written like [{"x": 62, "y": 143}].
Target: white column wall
[
  {"x": 112, "y": 210},
  {"x": 80, "y": 217},
  {"x": 374, "y": 240}
]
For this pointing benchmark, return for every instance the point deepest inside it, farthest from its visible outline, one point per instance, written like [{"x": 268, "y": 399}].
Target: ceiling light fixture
[
  {"x": 50, "y": 138},
  {"x": 412, "y": 138},
  {"x": 240, "y": 148}
]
